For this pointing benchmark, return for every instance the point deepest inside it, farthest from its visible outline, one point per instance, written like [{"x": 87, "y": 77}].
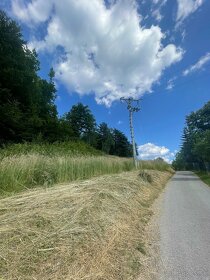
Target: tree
[
  {"x": 179, "y": 162},
  {"x": 18, "y": 67},
  {"x": 47, "y": 109},
  {"x": 27, "y": 106},
  {"x": 82, "y": 123},
  {"x": 195, "y": 150},
  {"x": 104, "y": 138},
  {"x": 122, "y": 146},
  {"x": 202, "y": 148},
  {"x": 27, "y": 102},
  {"x": 64, "y": 130}
]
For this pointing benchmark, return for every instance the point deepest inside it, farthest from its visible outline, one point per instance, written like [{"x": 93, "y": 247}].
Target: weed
[
  {"x": 145, "y": 176},
  {"x": 140, "y": 247},
  {"x": 205, "y": 177}
]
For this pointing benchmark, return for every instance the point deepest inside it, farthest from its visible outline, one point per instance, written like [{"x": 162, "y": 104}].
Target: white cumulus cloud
[
  {"x": 36, "y": 11},
  {"x": 198, "y": 65},
  {"x": 187, "y": 7},
  {"x": 151, "y": 151},
  {"x": 106, "y": 51}
]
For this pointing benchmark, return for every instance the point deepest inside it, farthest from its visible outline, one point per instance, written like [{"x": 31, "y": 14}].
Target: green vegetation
[
  {"x": 50, "y": 149},
  {"x": 27, "y": 103},
  {"x": 27, "y": 106},
  {"x": 39, "y": 148},
  {"x": 154, "y": 165},
  {"x": 204, "y": 176},
  {"x": 195, "y": 150},
  {"x": 86, "y": 230},
  {"x": 25, "y": 166},
  {"x": 27, "y": 171}
]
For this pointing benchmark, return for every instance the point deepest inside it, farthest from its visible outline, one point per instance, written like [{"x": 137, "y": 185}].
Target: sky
[{"x": 102, "y": 50}]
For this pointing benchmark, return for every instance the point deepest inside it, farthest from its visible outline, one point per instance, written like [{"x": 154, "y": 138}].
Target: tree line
[
  {"x": 195, "y": 149},
  {"x": 27, "y": 102}
]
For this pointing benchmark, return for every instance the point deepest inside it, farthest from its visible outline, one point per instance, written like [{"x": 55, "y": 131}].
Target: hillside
[{"x": 26, "y": 166}]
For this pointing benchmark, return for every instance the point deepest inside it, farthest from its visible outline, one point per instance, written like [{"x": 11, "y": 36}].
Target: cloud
[
  {"x": 151, "y": 151},
  {"x": 187, "y": 7},
  {"x": 170, "y": 84},
  {"x": 156, "y": 13},
  {"x": 36, "y": 11},
  {"x": 160, "y": 2},
  {"x": 106, "y": 51},
  {"x": 197, "y": 66}
]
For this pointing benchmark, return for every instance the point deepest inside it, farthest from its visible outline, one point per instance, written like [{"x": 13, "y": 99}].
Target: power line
[{"x": 131, "y": 108}]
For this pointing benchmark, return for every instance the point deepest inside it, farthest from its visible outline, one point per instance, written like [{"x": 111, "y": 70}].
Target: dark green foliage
[
  {"x": 105, "y": 139},
  {"x": 195, "y": 150},
  {"x": 27, "y": 102},
  {"x": 81, "y": 120},
  {"x": 121, "y": 146}
]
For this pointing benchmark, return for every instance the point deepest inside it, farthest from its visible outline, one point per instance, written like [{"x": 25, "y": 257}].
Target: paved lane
[{"x": 185, "y": 229}]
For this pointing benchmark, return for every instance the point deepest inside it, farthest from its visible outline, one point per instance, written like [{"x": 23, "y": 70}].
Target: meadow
[{"x": 25, "y": 166}]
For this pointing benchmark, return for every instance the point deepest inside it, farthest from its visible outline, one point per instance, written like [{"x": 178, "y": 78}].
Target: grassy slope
[
  {"x": 89, "y": 230},
  {"x": 24, "y": 166},
  {"x": 205, "y": 177},
  {"x": 76, "y": 148}
]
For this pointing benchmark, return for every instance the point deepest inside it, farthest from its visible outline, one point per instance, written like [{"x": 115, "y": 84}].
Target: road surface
[{"x": 185, "y": 229}]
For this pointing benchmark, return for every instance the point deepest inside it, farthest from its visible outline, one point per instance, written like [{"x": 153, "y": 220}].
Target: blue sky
[{"x": 158, "y": 50}]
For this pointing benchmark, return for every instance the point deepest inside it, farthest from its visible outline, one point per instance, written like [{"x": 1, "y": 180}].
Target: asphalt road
[{"x": 185, "y": 229}]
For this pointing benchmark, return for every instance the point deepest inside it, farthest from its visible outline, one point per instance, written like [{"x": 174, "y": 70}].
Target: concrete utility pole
[{"x": 132, "y": 109}]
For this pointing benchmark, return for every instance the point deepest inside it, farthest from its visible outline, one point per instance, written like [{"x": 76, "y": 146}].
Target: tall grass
[
  {"x": 154, "y": 165},
  {"x": 26, "y": 171},
  {"x": 71, "y": 148},
  {"x": 24, "y": 166}
]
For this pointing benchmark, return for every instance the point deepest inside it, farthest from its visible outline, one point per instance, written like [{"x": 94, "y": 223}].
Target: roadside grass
[
  {"x": 26, "y": 166},
  {"x": 86, "y": 230},
  {"x": 154, "y": 165},
  {"x": 28, "y": 171},
  {"x": 204, "y": 177},
  {"x": 70, "y": 148}
]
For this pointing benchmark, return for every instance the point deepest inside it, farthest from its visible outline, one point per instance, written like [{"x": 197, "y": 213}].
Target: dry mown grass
[{"x": 85, "y": 230}]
